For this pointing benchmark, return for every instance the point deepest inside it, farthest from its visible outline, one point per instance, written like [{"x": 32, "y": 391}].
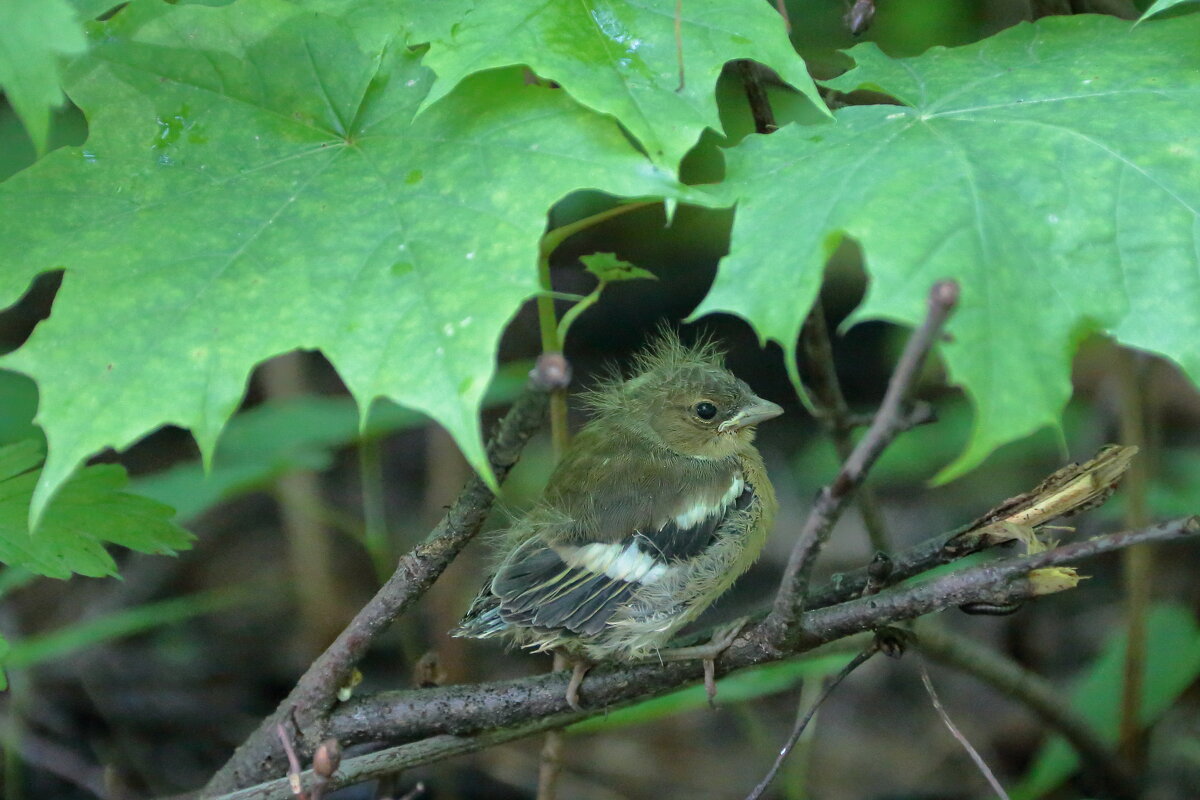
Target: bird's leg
[
  {"x": 579, "y": 668},
  {"x": 721, "y": 639}
]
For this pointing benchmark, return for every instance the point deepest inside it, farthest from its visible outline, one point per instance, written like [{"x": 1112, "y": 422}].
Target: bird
[{"x": 656, "y": 506}]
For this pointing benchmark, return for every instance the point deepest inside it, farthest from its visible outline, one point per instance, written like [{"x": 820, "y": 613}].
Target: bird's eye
[{"x": 705, "y": 410}]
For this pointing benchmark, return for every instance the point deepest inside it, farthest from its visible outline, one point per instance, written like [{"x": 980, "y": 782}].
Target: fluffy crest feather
[{"x": 663, "y": 357}]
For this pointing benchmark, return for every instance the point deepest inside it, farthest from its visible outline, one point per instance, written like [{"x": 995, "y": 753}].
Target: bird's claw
[
  {"x": 722, "y": 638},
  {"x": 579, "y": 669}
]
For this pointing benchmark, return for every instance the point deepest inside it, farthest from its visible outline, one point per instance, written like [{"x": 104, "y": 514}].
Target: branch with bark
[
  {"x": 427, "y": 725},
  {"x": 453, "y": 720}
]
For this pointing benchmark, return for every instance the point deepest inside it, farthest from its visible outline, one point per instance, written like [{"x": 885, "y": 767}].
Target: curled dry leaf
[{"x": 1071, "y": 490}]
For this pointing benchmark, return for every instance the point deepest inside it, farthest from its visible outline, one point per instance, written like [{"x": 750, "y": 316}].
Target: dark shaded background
[{"x": 163, "y": 709}]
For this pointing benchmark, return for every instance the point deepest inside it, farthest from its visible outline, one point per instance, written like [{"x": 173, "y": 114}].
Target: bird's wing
[{"x": 578, "y": 582}]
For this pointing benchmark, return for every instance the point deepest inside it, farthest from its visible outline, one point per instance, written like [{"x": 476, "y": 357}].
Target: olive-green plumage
[{"x": 658, "y": 505}]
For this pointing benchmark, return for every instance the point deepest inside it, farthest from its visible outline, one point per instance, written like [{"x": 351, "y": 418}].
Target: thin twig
[
  {"x": 294, "y": 768},
  {"x": 315, "y": 693},
  {"x": 781, "y": 7},
  {"x": 1035, "y": 693},
  {"x": 835, "y": 415},
  {"x": 803, "y": 718},
  {"x": 679, "y": 43},
  {"x": 889, "y": 421},
  {"x": 957, "y": 734},
  {"x": 756, "y": 95},
  {"x": 393, "y": 759}
]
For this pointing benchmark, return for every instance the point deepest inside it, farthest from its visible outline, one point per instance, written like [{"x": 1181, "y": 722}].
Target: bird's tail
[{"x": 482, "y": 620}]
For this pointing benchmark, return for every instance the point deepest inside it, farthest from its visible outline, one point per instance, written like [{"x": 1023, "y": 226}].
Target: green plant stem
[
  {"x": 550, "y": 757},
  {"x": 553, "y": 238},
  {"x": 568, "y": 319},
  {"x": 548, "y": 323},
  {"x": 552, "y": 338},
  {"x": 1137, "y": 562},
  {"x": 553, "y": 333},
  {"x": 375, "y": 535}
]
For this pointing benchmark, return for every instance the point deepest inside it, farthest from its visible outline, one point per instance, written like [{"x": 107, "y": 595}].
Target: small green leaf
[
  {"x": 608, "y": 268},
  {"x": 34, "y": 36},
  {"x": 620, "y": 57},
  {"x": 90, "y": 512},
  {"x": 1172, "y": 664}
]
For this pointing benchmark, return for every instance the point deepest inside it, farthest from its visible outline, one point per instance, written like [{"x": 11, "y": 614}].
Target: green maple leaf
[
  {"x": 620, "y": 57},
  {"x": 88, "y": 513},
  {"x": 1054, "y": 170},
  {"x": 34, "y": 36},
  {"x": 255, "y": 182}
]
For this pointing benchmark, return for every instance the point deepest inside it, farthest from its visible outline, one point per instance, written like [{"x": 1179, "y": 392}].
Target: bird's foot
[
  {"x": 708, "y": 653},
  {"x": 578, "y": 670}
]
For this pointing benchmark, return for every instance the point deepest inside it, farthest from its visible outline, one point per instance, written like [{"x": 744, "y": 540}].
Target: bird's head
[{"x": 687, "y": 399}]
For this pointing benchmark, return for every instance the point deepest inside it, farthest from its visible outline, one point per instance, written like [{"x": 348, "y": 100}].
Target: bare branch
[
  {"x": 756, "y": 94},
  {"x": 802, "y": 719},
  {"x": 1034, "y": 692},
  {"x": 889, "y": 421},
  {"x": 834, "y": 414},
  {"x": 316, "y": 691},
  {"x": 958, "y": 735}
]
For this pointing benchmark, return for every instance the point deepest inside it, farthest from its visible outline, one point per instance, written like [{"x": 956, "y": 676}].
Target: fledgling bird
[{"x": 659, "y": 503}]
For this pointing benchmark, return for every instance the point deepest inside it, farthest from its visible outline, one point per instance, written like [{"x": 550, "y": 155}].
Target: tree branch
[
  {"x": 891, "y": 419},
  {"x": 315, "y": 693},
  {"x": 462, "y": 719},
  {"x": 462, "y": 710}
]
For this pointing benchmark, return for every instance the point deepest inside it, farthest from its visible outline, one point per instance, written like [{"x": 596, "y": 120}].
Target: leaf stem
[
  {"x": 552, "y": 333},
  {"x": 1136, "y": 562}
]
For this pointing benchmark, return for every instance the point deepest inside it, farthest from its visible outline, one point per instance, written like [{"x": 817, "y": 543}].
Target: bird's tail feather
[{"x": 482, "y": 620}]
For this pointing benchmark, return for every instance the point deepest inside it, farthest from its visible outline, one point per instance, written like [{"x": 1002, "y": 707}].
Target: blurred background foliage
[{"x": 157, "y": 676}]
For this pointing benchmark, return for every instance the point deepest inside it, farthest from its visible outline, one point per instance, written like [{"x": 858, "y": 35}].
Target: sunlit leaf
[
  {"x": 620, "y": 57},
  {"x": 35, "y": 36},
  {"x": 1023, "y": 167},
  {"x": 255, "y": 182}
]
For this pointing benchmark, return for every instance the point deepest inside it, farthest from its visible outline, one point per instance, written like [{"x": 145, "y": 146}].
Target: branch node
[
  {"x": 944, "y": 295},
  {"x": 893, "y": 641},
  {"x": 552, "y": 372}
]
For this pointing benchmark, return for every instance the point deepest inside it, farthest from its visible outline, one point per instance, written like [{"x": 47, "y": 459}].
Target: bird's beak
[{"x": 754, "y": 412}]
